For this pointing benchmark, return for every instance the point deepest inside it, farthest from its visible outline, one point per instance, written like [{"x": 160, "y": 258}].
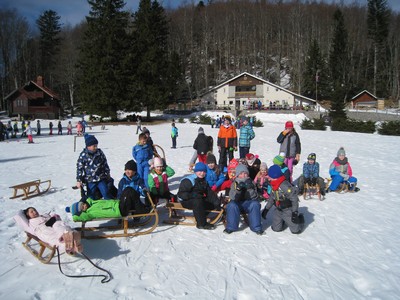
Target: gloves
[
  {"x": 50, "y": 221},
  {"x": 295, "y": 217},
  {"x": 345, "y": 176},
  {"x": 214, "y": 188},
  {"x": 241, "y": 186},
  {"x": 308, "y": 181},
  {"x": 264, "y": 213}
]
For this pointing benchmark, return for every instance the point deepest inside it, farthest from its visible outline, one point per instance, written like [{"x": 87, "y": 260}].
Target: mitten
[
  {"x": 214, "y": 188},
  {"x": 314, "y": 181},
  {"x": 308, "y": 181},
  {"x": 240, "y": 186},
  {"x": 295, "y": 217},
  {"x": 345, "y": 176},
  {"x": 264, "y": 213},
  {"x": 50, "y": 221}
]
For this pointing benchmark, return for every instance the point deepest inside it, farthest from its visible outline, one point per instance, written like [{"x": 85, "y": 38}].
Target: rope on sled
[{"x": 105, "y": 277}]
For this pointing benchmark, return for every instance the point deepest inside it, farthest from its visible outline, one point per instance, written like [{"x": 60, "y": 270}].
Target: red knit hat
[{"x": 289, "y": 124}]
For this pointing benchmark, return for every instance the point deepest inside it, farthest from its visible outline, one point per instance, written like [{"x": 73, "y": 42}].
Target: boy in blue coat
[
  {"x": 142, "y": 152},
  {"x": 311, "y": 175},
  {"x": 130, "y": 179}
]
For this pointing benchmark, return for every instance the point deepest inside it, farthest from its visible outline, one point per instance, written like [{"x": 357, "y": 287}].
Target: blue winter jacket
[
  {"x": 142, "y": 153},
  {"x": 246, "y": 135},
  {"x": 311, "y": 170},
  {"x": 133, "y": 182},
  {"x": 213, "y": 179},
  {"x": 92, "y": 166}
]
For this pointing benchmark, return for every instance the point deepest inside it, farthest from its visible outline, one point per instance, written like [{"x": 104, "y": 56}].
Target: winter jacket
[
  {"x": 142, "y": 153},
  {"x": 193, "y": 187},
  {"x": 202, "y": 144},
  {"x": 227, "y": 137},
  {"x": 341, "y": 168},
  {"x": 50, "y": 234},
  {"x": 158, "y": 184},
  {"x": 248, "y": 192},
  {"x": 284, "y": 197},
  {"x": 290, "y": 143},
  {"x": 134, "y": 182},
  {"x": 213, "y": 178},
  {"x": 311, "y": 170},
  {"x": 28, "y": 130},
  {"x": 99, "y": 209},
  {"x": 174, "y": 132},
  {"x": 246, "y": 135},
  {"x": 92, "y": 166}
]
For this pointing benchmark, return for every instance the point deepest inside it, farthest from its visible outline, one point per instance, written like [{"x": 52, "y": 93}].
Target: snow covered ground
[{"x": 350, "y": 248}]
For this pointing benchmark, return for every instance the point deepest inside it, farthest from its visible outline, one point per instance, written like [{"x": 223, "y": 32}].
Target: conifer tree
[
  {"x": 49, "y": 42},
  {"x": 378, "y": 30},
  {"x": 338, "y": 66},
  {"x": 152, "y": 82},
  {"x": 103, "y": 85}
]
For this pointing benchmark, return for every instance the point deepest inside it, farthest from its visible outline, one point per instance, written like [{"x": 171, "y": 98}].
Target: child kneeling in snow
[
  {"x": 95, "y": 209},
  {"x": 53, "y": 231}
]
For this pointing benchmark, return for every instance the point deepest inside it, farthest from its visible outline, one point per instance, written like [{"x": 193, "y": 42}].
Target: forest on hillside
[{"x": 346, "y": 48}]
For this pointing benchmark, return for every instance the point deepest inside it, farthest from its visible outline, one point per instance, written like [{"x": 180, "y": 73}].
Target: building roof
[
  {"x": 23, "y": 91},
  {"x": 364, "y": 91},
  {"x": 263, "y": 80}
]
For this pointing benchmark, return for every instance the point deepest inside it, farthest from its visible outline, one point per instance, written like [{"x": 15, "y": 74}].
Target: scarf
[
  {"x": 341, "y": 162},
  {"x": 275, "y": 183}
]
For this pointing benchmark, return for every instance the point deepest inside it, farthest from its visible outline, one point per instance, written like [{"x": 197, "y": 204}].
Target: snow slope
[{"x": 348, "y": 250}]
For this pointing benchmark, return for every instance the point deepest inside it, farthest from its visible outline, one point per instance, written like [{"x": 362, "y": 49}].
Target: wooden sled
[
  {"x": 342, "y": 188},
  {"x": 311, "y": 190},
  {"x": 41, "y": 250},
  {"x": 177, "y": 215},
  {"x": 30, "y": 189},
  {"x": 129, "y": 226},
  {"x": 158, "y": 151}
]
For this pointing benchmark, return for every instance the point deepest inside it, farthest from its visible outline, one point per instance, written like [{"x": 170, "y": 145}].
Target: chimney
[{"x": 40, "y": 81}]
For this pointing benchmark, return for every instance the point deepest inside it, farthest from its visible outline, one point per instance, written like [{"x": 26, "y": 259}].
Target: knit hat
[
  {"x": 158, "y": 162},
  {"x": 341, "y": 152},
  {"x": 278, "y": 160},
  {"x": 75, "y": 209},
  {"x": 131, "y": 165},
  {"x": 233, "y": 164},
  {"x": 228, "y": 117},
  {"x": 289, "y": 124},
  {"x": 250, "y": 158},
  {"x": 263, "y": 166},
  {"x": 244, "y": 118},
  {"x": 275, "y": 172},
  {"x": 312, "y": 156},
  {"x": 90, "y": 140},
  {"x": 240, "y": 169},
  {"x": 200, "y": 167},
  {"x": 201, "y": 130},
  {"x": 211, "y": 159}
]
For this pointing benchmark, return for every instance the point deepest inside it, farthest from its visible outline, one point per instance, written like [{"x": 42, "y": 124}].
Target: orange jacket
[{"x": 227, "y": 137}]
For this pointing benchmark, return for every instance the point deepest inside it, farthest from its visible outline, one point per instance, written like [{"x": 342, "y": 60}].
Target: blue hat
[
  {"x": 75, "y": 208},
  {"x": 275, "y": 172},
  {"x": 200, "y": 167},
  {"x": 90, "y": 140}
]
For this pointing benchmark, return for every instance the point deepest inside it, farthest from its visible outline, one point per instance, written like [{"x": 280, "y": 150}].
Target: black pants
[
  {"x": 130, "y": 200},
  {"x": 199, "y": 207},
  {"x": 222, "y": 156}
]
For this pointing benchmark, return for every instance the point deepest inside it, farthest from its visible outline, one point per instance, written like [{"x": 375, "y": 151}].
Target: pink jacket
[{"x": 51, "y": 235}]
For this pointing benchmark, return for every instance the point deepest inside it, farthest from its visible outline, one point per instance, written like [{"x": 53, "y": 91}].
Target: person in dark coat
[
  {"x": 284, "y": 197},
  {"x": 290, "y": 145},
  {"x": 202, "y": 145},
  {"x": 195, "y": 193}
]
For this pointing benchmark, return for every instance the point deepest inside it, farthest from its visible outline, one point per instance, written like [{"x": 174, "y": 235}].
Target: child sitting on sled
[
  {"x": 310, "y": 175},
  {"x": 262, "y": 182},
  {"x": 52, "y": 230},
  {"x": 341, "y": 173},
  {"x": 158, "y": 180}
]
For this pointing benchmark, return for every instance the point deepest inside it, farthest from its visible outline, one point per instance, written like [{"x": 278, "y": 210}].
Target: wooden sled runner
[
  {"x": 30, "y": 189},
  {"x": 158, "y": 151},
  {"x": 44, "y": 253},
  {"x": 131, "y": 225},
  {"x": 311, "y": 190},
  {"x": 178, "y": 215}
]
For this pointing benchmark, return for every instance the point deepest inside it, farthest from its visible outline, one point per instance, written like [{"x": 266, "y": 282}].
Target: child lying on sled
[
  {"x": 94, "y": 209},
  {"x": 50, "y": 229}
]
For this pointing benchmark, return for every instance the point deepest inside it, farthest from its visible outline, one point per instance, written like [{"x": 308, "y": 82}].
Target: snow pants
[
  {"x": 250, "y": 207},
  {"x": 337, "y": 180},
  {"x": 199, "y": 207},
  {"x": 282, "y": 216}
]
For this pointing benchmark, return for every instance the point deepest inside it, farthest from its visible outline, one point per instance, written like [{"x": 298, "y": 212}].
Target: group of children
[{"x": 246, "y": 182}]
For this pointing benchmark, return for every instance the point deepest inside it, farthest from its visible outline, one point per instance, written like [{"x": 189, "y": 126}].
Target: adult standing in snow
[{"x": 290, "y": 146}]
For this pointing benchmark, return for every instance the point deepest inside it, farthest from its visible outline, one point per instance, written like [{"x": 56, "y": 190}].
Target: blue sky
[{"x": 74, "y": 11}]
